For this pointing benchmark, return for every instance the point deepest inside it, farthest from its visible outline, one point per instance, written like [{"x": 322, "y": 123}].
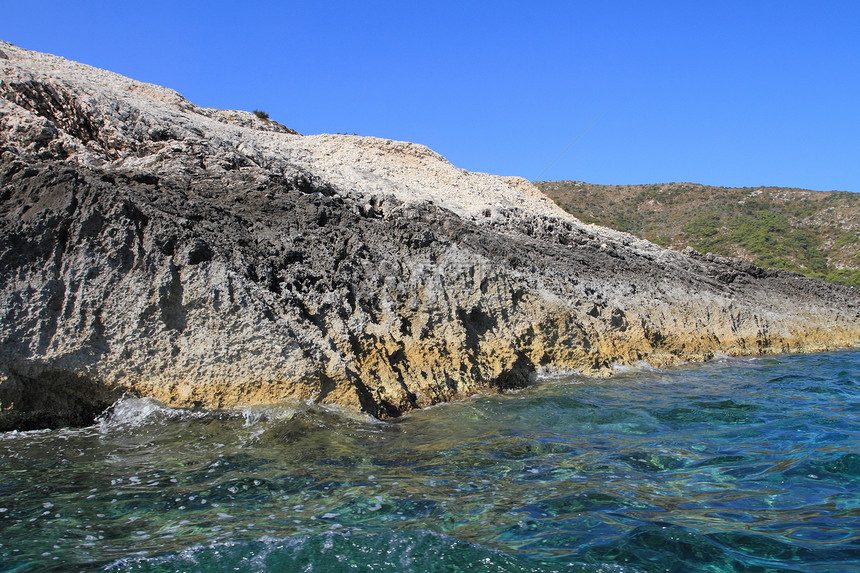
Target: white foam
[
  {"x": 253, "y": 415},
  {"x": 133, "y": 412},
  {"x": 638, "y": 366}
]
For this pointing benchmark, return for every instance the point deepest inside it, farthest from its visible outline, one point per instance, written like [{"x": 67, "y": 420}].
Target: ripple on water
[
  {"x": 739, "y": 465},
  {"x": 410, "y": 551}
]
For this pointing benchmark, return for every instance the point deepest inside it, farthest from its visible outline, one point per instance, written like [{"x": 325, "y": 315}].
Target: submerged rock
[{"x": 214, "y": 258}]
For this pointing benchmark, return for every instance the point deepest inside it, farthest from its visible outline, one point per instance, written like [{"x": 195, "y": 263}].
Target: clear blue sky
[{"x": 724, "y": 93}]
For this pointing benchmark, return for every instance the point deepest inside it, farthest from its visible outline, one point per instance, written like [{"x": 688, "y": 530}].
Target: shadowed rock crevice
[{"x": 51, "y": 399}]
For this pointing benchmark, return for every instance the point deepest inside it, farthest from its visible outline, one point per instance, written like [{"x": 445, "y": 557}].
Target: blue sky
[{"x": 722, "y": 93}]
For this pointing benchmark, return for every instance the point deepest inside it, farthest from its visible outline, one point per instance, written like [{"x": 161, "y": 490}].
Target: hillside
[{"x": 813, "y": 233}]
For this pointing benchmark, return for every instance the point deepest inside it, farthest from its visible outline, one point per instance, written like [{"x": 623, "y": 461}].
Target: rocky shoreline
[{"x": 213, "y": 258}]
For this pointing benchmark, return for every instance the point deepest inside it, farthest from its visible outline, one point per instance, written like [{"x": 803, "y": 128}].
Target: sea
[{"x": 739, "y": 464}]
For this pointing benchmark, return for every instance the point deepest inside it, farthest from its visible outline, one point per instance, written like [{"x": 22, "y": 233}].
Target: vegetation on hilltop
[{"x": 813, "y": 233}]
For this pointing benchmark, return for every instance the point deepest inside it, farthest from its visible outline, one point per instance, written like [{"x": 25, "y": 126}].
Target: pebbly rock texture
[{"x": 212, "y": 258}]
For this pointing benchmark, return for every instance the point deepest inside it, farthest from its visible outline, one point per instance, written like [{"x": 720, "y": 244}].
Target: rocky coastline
[{"x": 212, "y": 258}]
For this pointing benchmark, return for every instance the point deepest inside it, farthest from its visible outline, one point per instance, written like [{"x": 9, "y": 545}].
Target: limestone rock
[{"x": 213, "y": 258}]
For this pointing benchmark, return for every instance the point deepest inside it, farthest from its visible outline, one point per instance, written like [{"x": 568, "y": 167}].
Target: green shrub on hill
[{"x": 808, "y": 232}]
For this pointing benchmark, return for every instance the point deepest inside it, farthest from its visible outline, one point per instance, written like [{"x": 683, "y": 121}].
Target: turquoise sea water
[{"x": 736, "y": 465}]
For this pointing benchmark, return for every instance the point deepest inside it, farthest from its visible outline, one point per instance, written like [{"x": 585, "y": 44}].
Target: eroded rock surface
[{"x": 209, "y": 257}]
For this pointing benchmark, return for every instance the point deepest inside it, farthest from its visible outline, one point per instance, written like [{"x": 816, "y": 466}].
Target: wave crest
[{"x": 133, "y": 412}]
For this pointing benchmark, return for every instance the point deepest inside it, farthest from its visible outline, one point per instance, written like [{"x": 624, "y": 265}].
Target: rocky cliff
[{"x": 214, "y": 258}]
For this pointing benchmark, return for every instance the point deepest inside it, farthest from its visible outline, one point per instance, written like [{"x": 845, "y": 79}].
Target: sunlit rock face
[{"x": 213, "y": 258}]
